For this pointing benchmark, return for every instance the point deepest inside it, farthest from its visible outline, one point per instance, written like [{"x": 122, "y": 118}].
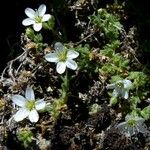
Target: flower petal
[
  {"x": 21, "y": 114},
  {"x": 37, "y": 26},
  {"x": 71, "y": 64},
  {"x": 19, "y": 100},
  {"x": 40, "y": 104},
  {"x": 127, "y": 84},
  {"x": 142, "y": 128},
  {"x": 46, "y": 17},
  {"x": 30, "y": 13},
  {"x": 140, "y": 120},
  {"x": 58, "y": 47},
  {"x": 131, "y": 130},
  {"x": 110, "y": 86},
  {"x": 28, "y": 21},
  {"x": 72, "y": 54},
  {"x": 29, "y": 94},
  {"x": 125, "y": 94},
  {"x": 33, "y": 116},
  {"x": 128, "y": 116},
  {"x": 51, "y": 57},
  {"x": 61, "y": 67},
  {"x": 41, "y": 10},
  {"x": 121, "y": 125},
  {"x": 115, "y": 93}
]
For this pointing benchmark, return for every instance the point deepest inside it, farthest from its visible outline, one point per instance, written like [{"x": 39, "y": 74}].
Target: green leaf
[
  {"x": 146, "y": 112},
  {"x": 49, "y": 24},
  {"x": 113, "y": 101}
]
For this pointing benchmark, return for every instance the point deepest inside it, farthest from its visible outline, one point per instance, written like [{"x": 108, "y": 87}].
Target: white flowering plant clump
[
  {"x": 36, "y": 17},
  {"x": 132, "y": 125},
  {"x": 84, "y": 71},
  {"x": 29, "y": 107},
  {"x": 121, "y": 88},
  {"x": 63, "y": 57}
]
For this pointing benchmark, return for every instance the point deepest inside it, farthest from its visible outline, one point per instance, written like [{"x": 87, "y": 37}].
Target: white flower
[
  {"x": 36, "y": 17},
  {"x": 121, "y": 88},
  {"x": 63, "y": 58},
  {"x": 28, "y": 106},
  {"x": 132, "y": 125}
]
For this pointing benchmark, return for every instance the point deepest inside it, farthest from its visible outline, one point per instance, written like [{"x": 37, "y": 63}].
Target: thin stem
[{"x": 65, "y": 87}]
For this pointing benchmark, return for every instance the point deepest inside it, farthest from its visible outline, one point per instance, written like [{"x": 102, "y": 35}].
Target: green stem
[{"x": 65, "y": 87}]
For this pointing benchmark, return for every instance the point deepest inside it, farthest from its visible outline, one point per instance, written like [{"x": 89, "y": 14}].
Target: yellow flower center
[
  {"x": 38, "y": 19},
  {"x": 62, "y": 56},
  {"x": 30, "y": 105},
  {"x": 120, "y": 85},
  {"x": 132, "y": 122}
]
